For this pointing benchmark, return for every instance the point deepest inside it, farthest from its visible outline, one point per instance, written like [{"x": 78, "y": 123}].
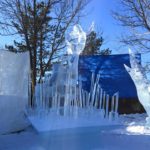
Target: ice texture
[
  {"x": 77, "y": 40},
  {"x": 14, "y": 74},
  {"x": 141, "y": 82}
]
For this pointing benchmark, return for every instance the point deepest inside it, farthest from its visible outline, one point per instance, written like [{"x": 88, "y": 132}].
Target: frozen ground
[{"x": 130, "y": 135}]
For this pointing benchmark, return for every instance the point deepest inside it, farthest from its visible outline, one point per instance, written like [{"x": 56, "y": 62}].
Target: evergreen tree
[{"x": 93, "y": 45}]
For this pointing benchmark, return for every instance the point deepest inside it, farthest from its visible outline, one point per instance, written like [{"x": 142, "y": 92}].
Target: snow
[
  {"x": 89, "y": 138},
  {"x": 14, "y": 75}
]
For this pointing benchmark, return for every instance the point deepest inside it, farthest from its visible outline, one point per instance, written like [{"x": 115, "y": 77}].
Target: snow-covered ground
[{"x": 129, "y": 135}]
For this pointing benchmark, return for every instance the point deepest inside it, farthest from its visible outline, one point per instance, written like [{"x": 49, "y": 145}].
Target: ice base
[{"x": 52, "y": 121}]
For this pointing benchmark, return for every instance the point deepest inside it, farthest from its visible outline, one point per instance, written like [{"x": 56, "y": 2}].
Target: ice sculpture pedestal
[{"x": 52, "y": 121}]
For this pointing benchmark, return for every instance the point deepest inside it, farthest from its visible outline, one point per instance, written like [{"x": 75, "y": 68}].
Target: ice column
[{"x": 75, "y": 44}]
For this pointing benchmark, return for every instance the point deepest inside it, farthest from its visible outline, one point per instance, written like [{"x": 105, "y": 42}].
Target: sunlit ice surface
[
  {"x": 137, "y": 125},
  {"x": 142, "y": 84},
  {"x": 138, "y": 130}
]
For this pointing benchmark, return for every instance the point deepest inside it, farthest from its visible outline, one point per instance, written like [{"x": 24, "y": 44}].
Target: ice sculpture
[
  {"x": 60, "y": 101},
  {"x": 14, "y": 73},
  {"x": 141, "y": 82},
  {"x": 75, "y": 47}
]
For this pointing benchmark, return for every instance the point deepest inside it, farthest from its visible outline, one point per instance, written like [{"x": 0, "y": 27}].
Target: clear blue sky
[{"x": 98, "y": 11}]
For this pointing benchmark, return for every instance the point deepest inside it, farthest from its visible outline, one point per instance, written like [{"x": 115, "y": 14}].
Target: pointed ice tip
[
  {"x": 92, "y": 27},
  {"x": 127, "y": 68},
  {"x": 130, "y": 51},
  {"x": 133, "y": 53}
]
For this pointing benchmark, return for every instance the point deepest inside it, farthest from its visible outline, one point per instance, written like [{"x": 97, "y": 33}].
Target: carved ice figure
[
  {"x": 141, "y": 82},
  {"x": 75, "y": 45},
  {"x": 77, "y": 39}
]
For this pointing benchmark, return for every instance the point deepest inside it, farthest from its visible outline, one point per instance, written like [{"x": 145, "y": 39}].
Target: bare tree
[
  {"x": 42, "y": 25},
  {"x": 135, "y": 16}
]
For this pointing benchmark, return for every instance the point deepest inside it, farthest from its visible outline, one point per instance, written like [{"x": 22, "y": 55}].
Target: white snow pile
[
  {"x": 134, "y": 124},
  {"x": 14, "y": 73}
]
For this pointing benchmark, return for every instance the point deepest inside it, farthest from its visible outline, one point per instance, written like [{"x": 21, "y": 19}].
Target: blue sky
[{"x": 98, "y": 11}]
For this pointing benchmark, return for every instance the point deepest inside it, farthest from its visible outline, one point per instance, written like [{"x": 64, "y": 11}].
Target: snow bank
[{"x": 14, "y": 73}]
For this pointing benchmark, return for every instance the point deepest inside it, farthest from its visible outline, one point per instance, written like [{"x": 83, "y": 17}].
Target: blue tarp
[{"x": 113, "y": 76}]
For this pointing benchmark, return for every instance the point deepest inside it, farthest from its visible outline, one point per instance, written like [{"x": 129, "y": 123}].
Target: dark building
[{"x": 113, "y": 78}]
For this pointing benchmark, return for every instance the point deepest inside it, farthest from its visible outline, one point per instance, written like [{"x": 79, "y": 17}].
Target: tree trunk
[
  {"x": 34, "y": 45},
  {"x": 41, "y": 56}
]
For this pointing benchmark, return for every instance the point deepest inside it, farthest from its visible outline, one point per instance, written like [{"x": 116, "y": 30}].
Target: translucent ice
[
  {"x": 14, "y": 73},
  {"x": 141, "y": 82},
  {"x": 67, "y": 104},
  {"x": 76, "y": 45},
  {"x": 77, "y": 40}
]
